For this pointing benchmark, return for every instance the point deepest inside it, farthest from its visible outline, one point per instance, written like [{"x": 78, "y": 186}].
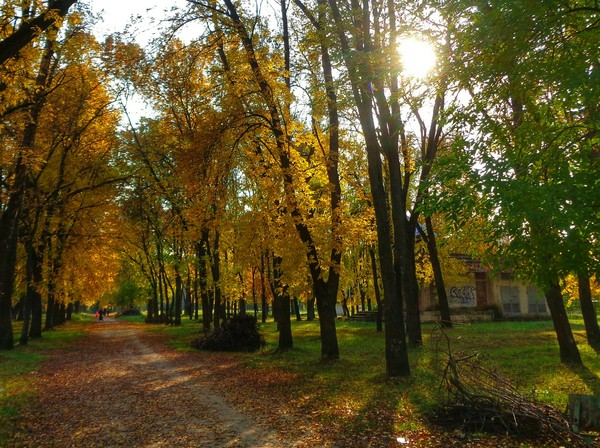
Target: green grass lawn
[{"x": 524, "y": 352}]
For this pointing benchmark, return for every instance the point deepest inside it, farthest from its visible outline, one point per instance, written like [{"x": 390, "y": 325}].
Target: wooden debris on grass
[
  {"x": 237, "y": 334},
  {"x": 479, "y": 399}
]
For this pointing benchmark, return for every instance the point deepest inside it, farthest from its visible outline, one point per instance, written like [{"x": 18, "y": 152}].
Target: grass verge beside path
[
  {"x": 18, "y": 366},
  {"x": 354, "y": 400}
]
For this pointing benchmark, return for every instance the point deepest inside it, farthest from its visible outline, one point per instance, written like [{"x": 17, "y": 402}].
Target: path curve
[{"x": 122, "y": 388}]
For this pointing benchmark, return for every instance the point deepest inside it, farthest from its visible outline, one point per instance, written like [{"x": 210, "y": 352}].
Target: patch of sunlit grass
[{"x": 354, "y": 392}]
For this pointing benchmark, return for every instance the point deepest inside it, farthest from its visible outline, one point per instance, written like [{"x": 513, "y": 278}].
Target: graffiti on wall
[{"x": 463, "y": 296}]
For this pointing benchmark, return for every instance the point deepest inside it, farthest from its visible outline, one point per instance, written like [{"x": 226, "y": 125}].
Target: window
[
  {"x": 510, "y": 299},
  {"x": 536, "y": 301}
]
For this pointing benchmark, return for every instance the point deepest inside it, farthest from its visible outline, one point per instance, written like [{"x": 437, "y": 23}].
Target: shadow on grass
[
  {"x": 377, "y": 421},
  {"x": 589, "y": 378}
]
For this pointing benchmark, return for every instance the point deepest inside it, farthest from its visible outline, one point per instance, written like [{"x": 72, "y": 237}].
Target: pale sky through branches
[
  {"x": 117, "y": 15},
  {"x": 144, "y": 20}
]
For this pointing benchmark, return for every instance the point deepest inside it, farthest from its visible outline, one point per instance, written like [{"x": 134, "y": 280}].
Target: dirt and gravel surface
[{"x": 123, "y": 387}]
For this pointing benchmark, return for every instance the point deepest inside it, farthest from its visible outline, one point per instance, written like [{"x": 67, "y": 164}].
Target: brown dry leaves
[{"x": 123, "y": 387}]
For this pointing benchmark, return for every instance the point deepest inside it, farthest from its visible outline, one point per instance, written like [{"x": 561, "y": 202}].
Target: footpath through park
[{"x": 122, "y": 386}]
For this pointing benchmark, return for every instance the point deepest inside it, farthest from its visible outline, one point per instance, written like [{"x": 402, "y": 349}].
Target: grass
[
  {"x": 17, "y": 390},
  {"x": 356, "y": 384}
]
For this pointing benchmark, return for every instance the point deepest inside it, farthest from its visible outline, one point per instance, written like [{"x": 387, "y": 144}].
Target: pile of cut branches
[
  {"x": 478, "y": 398},
  {"x": 237, "y": 334}
]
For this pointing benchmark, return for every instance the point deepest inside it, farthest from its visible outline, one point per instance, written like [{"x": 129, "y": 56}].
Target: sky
[{"x": 117, "y": 15}]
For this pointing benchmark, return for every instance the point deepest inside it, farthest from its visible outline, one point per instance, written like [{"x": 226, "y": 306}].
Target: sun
[{"x": 417, "y": 57}]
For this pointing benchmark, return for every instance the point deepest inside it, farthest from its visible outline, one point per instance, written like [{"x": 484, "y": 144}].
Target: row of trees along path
[
  {"x": 120, "y": 386},
  {"x": 302, "y": 161}
]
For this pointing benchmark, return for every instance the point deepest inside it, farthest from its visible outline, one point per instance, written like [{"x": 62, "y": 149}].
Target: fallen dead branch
[{"x": 477, "y": 398}]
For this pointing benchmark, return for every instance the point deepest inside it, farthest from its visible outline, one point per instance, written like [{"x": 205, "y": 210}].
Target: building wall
[{"x": 479, "y": 290}]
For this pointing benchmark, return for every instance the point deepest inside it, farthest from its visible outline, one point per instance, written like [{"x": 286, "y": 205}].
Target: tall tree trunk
[
  {"x": 445, "y": 317},
  {"x": 26, "y": 319},
  {"x": 35, "y": 278},
  {"x": 411, "y": 289},
  {"x": 345, "y": 298},
  {"x": 242, "y": 301},
  {"x": 35, "y": 330},
  {"x": 8, "y": 258},
  {"x": 9, "y": 220},
  {"x": 325, "y": 290},
  {"x": 215, "y": 266},
  {"x": 196, "y": 286},
  {"x": 297, "y": 309},
  {"x": 178, "y": 299},
  {"x": 167, "y": 315},
  {"x": 378, "y": 300},
  {"x": 161, "y": 304},
  {"x": 50, "y": 306},
  {"x": 588, "y": 311},
  {"x": 569, "y": 353},
  {"x": 310, "y": 309},
  {"x": 202, "y": 255},
  {"x": 263, "y": 290},
  {"x": 254, "y": 301},
  {"x": 62, "y": 313},
  {"x": 396, "y": 350},
  {"x": 284, "y": 323}
]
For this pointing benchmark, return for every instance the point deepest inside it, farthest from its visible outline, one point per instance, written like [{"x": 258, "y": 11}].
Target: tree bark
[
  {"x": 29, "y": 30},
  {"x": 359, "y": 70},
  {"x": 215, "y": 267},
  {"x": 201, "y": 258},
  {"x": 310, "y": 309},
  {"x": 590, "y": 319},
  {"x": 445, "y": 317},
  {"x": 178, "y": 299},
  {"x": 569, "y": 353},
  {"x": 380, "y": 305},
  {"x": 34, "y": 276},
  {"x": 9, "y": 220},
  {"x": 263, "y": 290},
  {"x": 284, "y": 323},
  {"x": 297, "y": 309}
]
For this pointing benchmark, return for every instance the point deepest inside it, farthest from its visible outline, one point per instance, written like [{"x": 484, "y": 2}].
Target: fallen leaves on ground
[{"x": 123, "y": 387}]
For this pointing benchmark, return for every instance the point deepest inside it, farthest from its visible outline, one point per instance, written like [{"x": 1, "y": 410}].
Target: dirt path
[{"x": 121, "y": 387}]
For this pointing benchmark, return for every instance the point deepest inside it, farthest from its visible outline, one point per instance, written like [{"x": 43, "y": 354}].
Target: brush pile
[
  {"x": 237, "y": 334},
  {"x": 478, "y": 399}
]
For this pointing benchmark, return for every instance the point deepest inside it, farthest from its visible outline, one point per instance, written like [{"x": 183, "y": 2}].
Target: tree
[
  {"x": 287, "y": 157},
  {"x": 30, "y": 28},
  {"x": 531, "y": 144}
]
